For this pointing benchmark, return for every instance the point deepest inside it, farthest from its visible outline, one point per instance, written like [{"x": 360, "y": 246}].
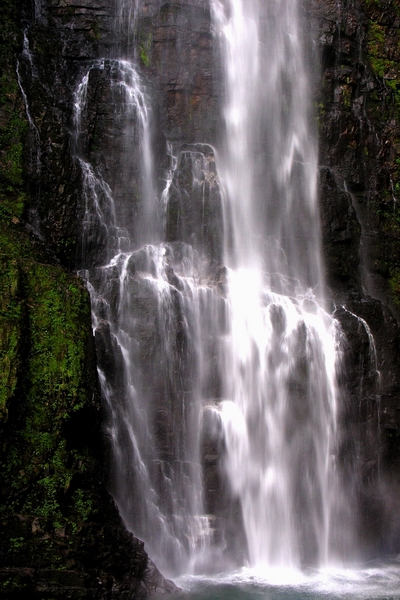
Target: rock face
[
  {"x": 54, "y": 508},
  {"x": 61, "y": 534},
  {"x": 358, "y": 115}
]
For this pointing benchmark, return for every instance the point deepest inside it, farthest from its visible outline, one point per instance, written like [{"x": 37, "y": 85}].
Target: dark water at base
[{"x": 376, "y": 581}]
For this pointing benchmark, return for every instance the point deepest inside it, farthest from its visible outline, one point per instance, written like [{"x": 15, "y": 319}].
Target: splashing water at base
[
  {"x": 375, "y": 582},
  {"x": 280, "y": 422}
]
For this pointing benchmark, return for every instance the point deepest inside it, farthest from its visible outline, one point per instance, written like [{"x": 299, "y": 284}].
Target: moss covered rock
[
  {"x": 60, "y": 531},
  {"x": 359, "y": 117},
  {"x": 46, "y": 382}
]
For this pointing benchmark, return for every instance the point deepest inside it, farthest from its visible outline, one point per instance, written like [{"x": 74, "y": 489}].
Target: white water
[
  {"x": 36, "y": 145},
  {"x": 261, "y": 344},
  {"x": 158, "y": 490},
  {"x": 150, "y": 313},
  {"x": 279, "y": 360},
  {"x": 379, "y": 581},
  {"x": 268, "y": 161}
]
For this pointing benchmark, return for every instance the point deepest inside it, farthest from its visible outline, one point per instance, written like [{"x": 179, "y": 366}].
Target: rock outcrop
[
  {"x": 60, "y": 531},
  {"x": 358, "y": 114}
]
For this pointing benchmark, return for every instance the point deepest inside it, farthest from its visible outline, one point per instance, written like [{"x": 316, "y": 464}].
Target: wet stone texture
[
  {"x": 357, "y": 107},
  {"x": 176, "y": 49},
  {"x": 194, "y": 207}
]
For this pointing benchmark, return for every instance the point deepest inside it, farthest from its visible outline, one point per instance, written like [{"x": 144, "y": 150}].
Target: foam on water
[{"x": 376, "y": 582}]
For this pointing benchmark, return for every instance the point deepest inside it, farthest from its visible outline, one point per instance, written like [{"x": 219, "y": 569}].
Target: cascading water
[
  {"x": 183, "y": 327},
  {"x": 280, "y": 410},
  {"x": 150, "y": 317},
  {"x": 26, "y": 55}
]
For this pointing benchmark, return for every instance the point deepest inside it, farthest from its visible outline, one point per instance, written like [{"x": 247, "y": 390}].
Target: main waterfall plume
[
  {"x": 280, "y": 399},
  {"x": 217, "y": 358}
]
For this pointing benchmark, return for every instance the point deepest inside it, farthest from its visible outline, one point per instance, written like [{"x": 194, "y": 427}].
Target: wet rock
[
  {"x": 278, "y": 318},
  {"x": 341, "y": 233},
  {"x": 142, "y": 261},
  {"x": 176, "y": 48},
  {"x": 38, "y": 566},
  {"x": 155, "y": 583},
  {"x": 194, "y": 206}
]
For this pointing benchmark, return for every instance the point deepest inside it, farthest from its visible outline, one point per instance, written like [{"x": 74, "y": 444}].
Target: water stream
[
  {"x": 150, "y": 315},
  {"x": 281, "y": 402},
  {"x": 240, "y": 334}
]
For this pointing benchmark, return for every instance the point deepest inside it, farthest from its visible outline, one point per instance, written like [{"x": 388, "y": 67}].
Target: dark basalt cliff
[
  {"x": 359, "y": 116},
  {"x": 60, "y": 533}
]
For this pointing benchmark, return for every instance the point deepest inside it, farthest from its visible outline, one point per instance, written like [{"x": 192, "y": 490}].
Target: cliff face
[
  {"x": 358, "y": 115},
  {"x": 60, "y": 530},
  {"x": 61, "y": 534}
]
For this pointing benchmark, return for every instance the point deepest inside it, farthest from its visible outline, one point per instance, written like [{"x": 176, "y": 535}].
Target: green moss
[
  {"x": 394, "y": 286},
  {"x": 383, "y": 106},
  {"x": 10, "y": 331},
  {"x": 95, "y": 32},
  {"x": 346, "y": 96},
  {"x": 56, "y": 334},
  {"x": 378, "y": 56},
  {"x": 44, "y": 330},
  {"x": 145, "y": 50}
]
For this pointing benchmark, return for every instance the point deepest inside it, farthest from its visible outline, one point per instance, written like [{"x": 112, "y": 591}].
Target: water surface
[{"x": 376, "y": 581}]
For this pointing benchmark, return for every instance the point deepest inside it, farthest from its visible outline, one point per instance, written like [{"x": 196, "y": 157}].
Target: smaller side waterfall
[
  {"x": 153, "y": 317},
  {"x": 111, "y": 222},
  {"x": 35, "y": 147},
  {"x": 148, "y": 316}
]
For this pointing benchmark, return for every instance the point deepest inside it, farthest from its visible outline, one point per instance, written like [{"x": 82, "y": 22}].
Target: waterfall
[
  {"x": 152, "y": 314},
  {"x": 35, "y": 148},
  {"x": 213, "y": 343},
  {"x": 280, "y": 406}
]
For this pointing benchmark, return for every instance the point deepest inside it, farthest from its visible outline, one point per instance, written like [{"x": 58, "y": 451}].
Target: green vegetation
[
  {"x": 43, "y": 383},
  {"x": 145, "y": 50},
  {"x": 346, "y": 96},
  {"x": 95, "y": 32},
  {"x": 44, "y": 331},
  {"x": 394, "y": 284},
  {"x": 47, "y": 411},
  {"x": 384, "y": 113},
  {"x": 388, "y": 70}
]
